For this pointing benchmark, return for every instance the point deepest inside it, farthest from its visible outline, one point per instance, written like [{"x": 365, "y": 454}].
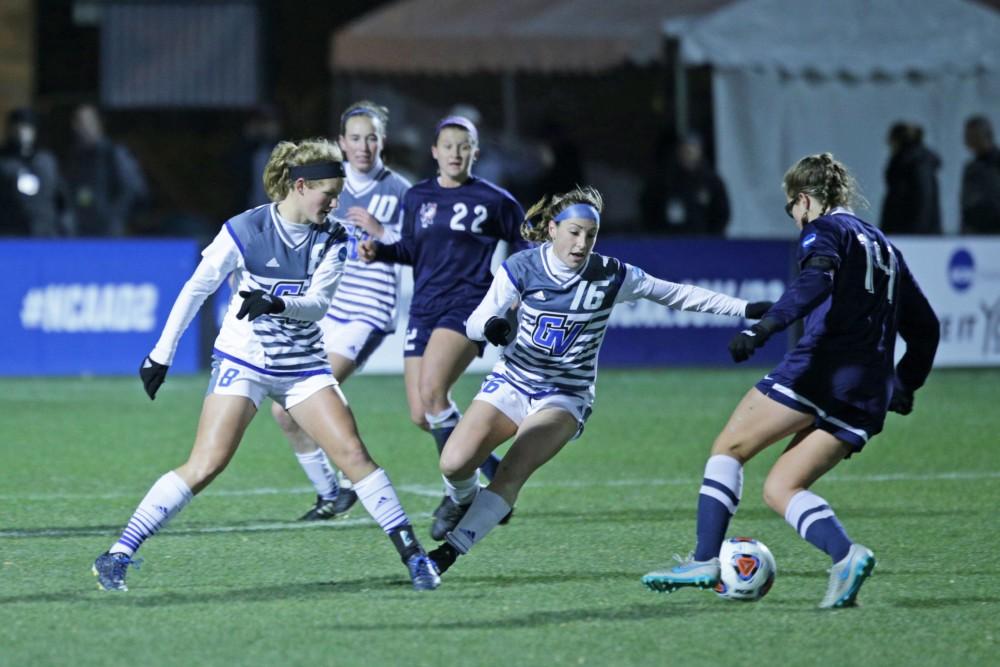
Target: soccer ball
[{"x": 747, "y": 570}]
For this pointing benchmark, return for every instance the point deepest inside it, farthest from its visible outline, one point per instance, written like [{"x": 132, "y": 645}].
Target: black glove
[
  {"x": 756, "y": 309},
  {"x": 902, "y": 400},
  {"x": 152, "y": 375},
  {"x": 257, "y": 303},
  {"x": 746, "y": 342},
  {"x": 497, "y": 331}
]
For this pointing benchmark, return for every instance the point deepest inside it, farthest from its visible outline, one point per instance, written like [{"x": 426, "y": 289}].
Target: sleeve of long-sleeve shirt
[
  {"x": 313, "y": 304},
  {"x": 638, "y": 284},
  {"x": 400, "y": 250},
  {"x": 919, "y": 328},
  {"x": 218, "y": 260},
  {"x": 499, "y": 298},
  {"x": 813, "y": 284}
]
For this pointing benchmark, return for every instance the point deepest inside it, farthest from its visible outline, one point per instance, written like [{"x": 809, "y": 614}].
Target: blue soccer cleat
[
  {"x": 110, "y": 570},
  {"x": 423, "y": 572},
  {"x": 689, "y": 573},
  {"x": 846, "y": 577}
]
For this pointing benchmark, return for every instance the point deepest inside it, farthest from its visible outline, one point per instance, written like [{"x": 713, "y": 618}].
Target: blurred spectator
[
  {"x": 33, "y": 197},
  {"x": 560, "y": 160},
  {"x": 911, "y": 204},
  {"x": 261, "y": 133},
  {"x": 104, "y": 177},
  {"x": 687, "y": 197},
  {"x": 980, "y": 197}
]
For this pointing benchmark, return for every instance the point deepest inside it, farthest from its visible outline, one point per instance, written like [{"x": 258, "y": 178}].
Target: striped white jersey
[
  {"x": 301, "y": 263},
  {"x": 563, "y": 315},
  {"x": 369, "y": 292}
]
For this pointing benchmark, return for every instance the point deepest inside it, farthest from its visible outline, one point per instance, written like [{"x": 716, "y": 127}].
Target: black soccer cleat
[
  {"x": 446, "y": 517},
  {"x": 328, "y": 509},
  {"x": 444, "y": 556}
]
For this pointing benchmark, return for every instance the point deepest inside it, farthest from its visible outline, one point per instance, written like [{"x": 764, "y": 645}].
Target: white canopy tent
[{"x": 794, "y": 77}]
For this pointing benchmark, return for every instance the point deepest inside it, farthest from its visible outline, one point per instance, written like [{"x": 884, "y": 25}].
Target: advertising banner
[
  {"x": 961, "y": 278},
  {"x": 91, "y": 306}
]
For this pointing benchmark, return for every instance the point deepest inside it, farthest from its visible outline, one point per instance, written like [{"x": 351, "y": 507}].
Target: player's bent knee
[
  {"x": 777, "y": 494},
  {"x": 456, "y": 465}
]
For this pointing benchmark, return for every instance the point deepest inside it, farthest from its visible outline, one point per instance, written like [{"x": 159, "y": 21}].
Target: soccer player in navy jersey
[
  {"x": 541, "y": 390},
  {"x": 363, "y": 309},
  {"x": 830, "y": 392},
  {"x": 287, "y": 260},
  {"x": 452, "y": 224}
]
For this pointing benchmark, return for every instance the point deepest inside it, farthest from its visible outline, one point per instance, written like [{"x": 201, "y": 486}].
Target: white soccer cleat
[
  {"x": 846, "y": 577},
  {"x": 689, "y": 573}
]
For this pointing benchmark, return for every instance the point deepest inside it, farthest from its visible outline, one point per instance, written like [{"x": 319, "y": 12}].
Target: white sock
[
  {"x": 486, "y": 512},
  {"x": 462, "y": 491},
  {"x": 728, "y": 472},
  {"x": 319, "y": 471},
  {"x": 447, "y": 418},
  {"x": 377, "y": 495},
  {"x": 167, "y": 497}
]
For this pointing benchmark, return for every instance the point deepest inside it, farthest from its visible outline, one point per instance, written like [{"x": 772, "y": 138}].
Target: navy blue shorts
[
  {"x": 845, "y": 422},
  {"x": 419, "y": 328}
]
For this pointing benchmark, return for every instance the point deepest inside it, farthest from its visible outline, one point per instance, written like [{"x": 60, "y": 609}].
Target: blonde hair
[
  {"x": 277, "y": 182},
  {"x": 825, "y": 178},
  {"x": 536, "y": 221}
]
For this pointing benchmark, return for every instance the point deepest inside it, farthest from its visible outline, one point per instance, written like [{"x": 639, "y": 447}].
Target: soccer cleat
[
  {"x": 846, "y": 577},
  {"x": 444, "y": 556},
  {"x": 328, "y": 509},
  {"x": 110, "y": 570},
  {"x": 689, "y": 573},
  {"x": 423, "y": 572},
  {"x": 446, "y": 517}
]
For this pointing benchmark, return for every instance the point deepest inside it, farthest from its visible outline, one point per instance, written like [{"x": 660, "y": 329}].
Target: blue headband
[
  {"x": 585, "y": 211},
  {"x": 317, "y": 171}
]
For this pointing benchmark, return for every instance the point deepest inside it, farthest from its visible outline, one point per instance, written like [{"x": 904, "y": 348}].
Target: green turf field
[{"x": 234, "y": 580}]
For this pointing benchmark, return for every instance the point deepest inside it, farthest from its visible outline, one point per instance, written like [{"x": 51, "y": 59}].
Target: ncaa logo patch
[
  {"x": 427, "y": 212},
  {"x": 808, "y": 241}
]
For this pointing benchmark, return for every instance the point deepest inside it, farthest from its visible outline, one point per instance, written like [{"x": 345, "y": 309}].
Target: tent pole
[
  {"x": 680, "y": 86},
  {"x": 508, "y": 96}
]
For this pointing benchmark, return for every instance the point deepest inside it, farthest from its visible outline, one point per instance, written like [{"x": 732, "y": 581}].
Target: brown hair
[
  {"x": 366, "y": 108},
  {"x": 287, "y": 154},
  {"x": 823, "y": 177},
  {"x": 536, "y": 221}
]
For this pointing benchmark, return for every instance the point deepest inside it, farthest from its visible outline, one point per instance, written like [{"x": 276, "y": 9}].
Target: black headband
[{"x": 317, "y": 171}]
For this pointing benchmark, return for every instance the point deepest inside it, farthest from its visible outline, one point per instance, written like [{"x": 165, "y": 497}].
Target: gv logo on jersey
[
  {"x": 427, "y": 212},
  {"x": 552, "y": 333}
]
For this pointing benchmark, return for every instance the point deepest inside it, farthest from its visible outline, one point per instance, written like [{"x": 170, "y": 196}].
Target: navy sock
[{"x": 717, "y": 502}]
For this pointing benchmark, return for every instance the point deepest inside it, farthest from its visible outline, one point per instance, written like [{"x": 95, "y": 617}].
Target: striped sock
[
  {"x": 377, "y": 495},
  {"x": 483, "y": 516},
  {"x": 165, "y": 498},
  {"x": 717, "y": 502},
  {"x": 814, "y": 520},
  {"x": 319, "y": 471}
]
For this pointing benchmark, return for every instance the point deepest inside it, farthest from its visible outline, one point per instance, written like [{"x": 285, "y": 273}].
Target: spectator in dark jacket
[
  {"x": 689, "y": 199},
  {"x": 912, "y": 204},
  {"x": 33, "y": 198},
  {"x": 980, "y": 196},
  {"x": 105, "y": 179}
]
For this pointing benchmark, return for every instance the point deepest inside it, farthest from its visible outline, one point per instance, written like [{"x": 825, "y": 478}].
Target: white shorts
[
  {"x": 517, "y": 404},
  {"x": 354, "y": 340},
  {"x": 232, "y": 379}
]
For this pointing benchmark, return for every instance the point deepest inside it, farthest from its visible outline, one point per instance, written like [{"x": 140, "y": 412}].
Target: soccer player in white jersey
[
  {"x": 363, "y": 309},
  {"x": 286, "y": 260},
  {"x": 541, "y": 390}
]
